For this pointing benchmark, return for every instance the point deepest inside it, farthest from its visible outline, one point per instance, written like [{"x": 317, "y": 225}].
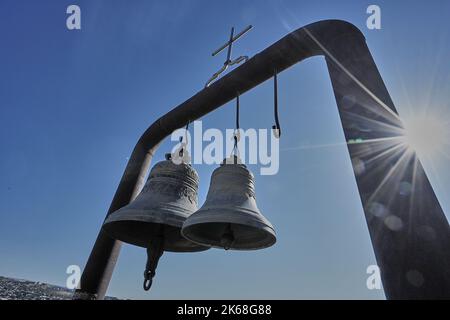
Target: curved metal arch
[{"x": 409, "y": 232}]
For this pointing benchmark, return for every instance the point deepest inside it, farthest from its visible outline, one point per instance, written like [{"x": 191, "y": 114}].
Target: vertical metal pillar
[{"x": 409, "y": 231}]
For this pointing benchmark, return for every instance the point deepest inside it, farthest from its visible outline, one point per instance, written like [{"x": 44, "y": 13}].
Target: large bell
[
  {"x": 167, "y": 199},
  {"x": 229, "y": 218}
]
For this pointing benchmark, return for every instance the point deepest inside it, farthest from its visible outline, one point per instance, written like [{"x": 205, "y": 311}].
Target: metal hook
[
  {"x": 236, "y": 135},
  {"x": 181, "y": 154},
  {"x": 276, "y": 129},
  {"x": 148, "y": 281}
]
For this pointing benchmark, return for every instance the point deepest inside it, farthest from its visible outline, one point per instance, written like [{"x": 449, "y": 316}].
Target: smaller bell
[{"x": 229, "y": 218}]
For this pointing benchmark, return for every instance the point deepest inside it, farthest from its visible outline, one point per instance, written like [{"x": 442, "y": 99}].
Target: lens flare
[{"x": 426, "y": 135}]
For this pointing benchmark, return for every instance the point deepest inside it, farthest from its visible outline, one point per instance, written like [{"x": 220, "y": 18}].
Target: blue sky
[{"x": 73, "y": 104}]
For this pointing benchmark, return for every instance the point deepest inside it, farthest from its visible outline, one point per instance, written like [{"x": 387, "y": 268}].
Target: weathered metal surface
[
  {"x": 168, "y": 198},
  {"x": 230, "y": 218},
  {"x": 411, "y": 267},
  {"x": 409, "y": 231}
]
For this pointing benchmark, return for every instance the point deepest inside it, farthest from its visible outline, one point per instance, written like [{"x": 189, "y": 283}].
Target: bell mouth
[
  {"x": 233, "y": 236},
  {"x": 140, "y": 234}
]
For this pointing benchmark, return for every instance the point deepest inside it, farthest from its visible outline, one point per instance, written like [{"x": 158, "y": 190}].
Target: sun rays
[
  {"x": 388, "y": 152},
  {"x": 428, "y": 135}
]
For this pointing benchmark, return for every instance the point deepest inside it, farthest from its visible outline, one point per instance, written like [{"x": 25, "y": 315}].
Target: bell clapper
[
  {"x": 227, "y": 239},
  {"x": 154, "y": 253}
]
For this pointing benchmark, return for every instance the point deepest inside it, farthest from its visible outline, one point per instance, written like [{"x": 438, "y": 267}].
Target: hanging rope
[{"x": 276, "y": 128}]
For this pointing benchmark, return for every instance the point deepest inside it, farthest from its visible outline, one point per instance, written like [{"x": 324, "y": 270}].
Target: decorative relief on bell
[{"x": 168, "y": 198}]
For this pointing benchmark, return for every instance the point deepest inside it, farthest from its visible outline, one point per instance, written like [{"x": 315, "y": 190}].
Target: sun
[{"x": 427, "y": 135}]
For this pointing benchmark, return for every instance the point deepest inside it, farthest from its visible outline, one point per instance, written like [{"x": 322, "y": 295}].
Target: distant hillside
[{"x": 18, "y": 289}]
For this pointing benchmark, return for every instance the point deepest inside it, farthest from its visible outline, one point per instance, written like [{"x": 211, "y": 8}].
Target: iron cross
[{"x": 228, "y": 62}]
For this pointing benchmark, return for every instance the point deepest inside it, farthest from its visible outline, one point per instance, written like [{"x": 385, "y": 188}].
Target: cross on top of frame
[{"x": 228, "y": 45}]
